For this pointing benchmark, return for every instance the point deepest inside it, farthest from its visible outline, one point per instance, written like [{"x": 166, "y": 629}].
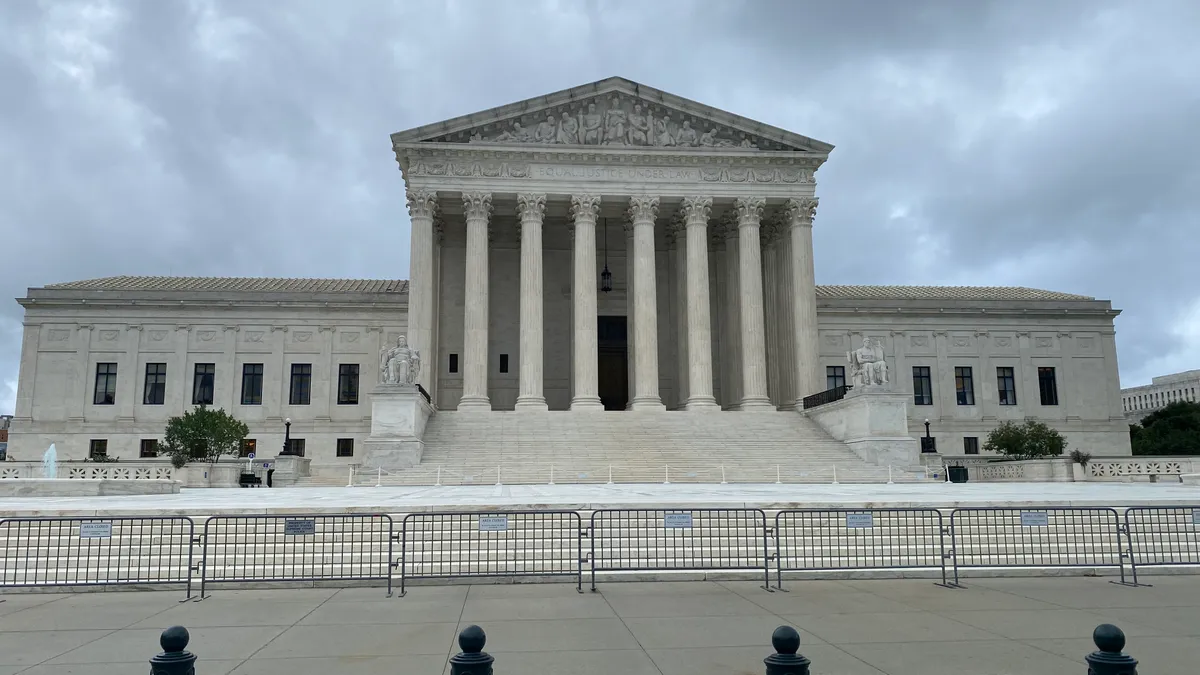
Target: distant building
[{"x": 1141, "y": 401}]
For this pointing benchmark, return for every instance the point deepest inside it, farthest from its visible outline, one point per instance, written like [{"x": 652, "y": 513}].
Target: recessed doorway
[{"x": 613, "y": 374}]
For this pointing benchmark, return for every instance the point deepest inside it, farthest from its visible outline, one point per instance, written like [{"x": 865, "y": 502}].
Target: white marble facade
[{"x": 704, "y": 220}]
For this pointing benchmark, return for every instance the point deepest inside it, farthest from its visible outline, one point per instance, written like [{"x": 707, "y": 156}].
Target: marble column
[
  {"x": 731, "y": 354},
  {"x": 585, "y": 345},
  {"x": 754, "y": 346},
  {"x": 677, "y": 238},
  {"x": 642, "y": 212},
  {"x": 787, "y": 309},
  {"x": 531, "y": 208},
  {"x": 809, "y": 379},
  {"x": 630, "y": 319},
  {"x": 770, "y": 277},
  {"x": 422, "y": 206},
  {"x": 695, "y": 211},
  {"x": 477, "y": 207}
]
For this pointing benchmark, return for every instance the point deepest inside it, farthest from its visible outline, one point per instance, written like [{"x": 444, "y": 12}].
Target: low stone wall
[
  {"x": 220, "y": 474},
  {"x": 84, "y": 487},
  {"x": 1063, "y": 469}
]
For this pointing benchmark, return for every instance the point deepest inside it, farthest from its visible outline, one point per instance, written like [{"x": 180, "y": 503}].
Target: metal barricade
[
  {"x": 630, "y": 540},
  {"x": 822, "y": 540},
  {"x": 449, "y": 545},
  {"x": 1162, "y": 536},
  {"x": 1036, "y": 536},
  {"x": 301, "y": 547},
  {"x": 96, "y": 551}
]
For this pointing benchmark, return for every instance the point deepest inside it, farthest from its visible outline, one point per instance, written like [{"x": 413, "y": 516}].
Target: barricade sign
[
  {"x": 95, "y": 530},
  {"x": 493, "y": 523},
  {"x": 678, "y": 521},
  {"x": 300, "y": 528},
  {"x": 1035, "y": 519},
  {"x": 860, "y": 520},
  {"x": 1196, "y": 516}
]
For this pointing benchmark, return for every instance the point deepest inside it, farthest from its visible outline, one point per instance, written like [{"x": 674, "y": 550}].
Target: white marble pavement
[{"x": 587, "y": 497}]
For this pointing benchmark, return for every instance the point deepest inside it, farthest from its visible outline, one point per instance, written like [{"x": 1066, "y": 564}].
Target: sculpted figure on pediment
[
  {"x": 547, "y": 131},
  {"x": 686, "y": 136},
  {"x": 662, "y": 131},
  {"x": 568, "y": 130},
  {"x": 639, "y": 127},
  {"x": 615, "y": 123},
  {"x": 519, "y": 134},
  {"x": 592, "y": 130}
]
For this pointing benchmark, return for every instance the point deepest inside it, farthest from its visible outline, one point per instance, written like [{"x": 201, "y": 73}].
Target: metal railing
[
  {"x": 302, "y": 547},
  {"x": 95, "y": 551},
  {"x": 452, "y": 545},
  {"x": 1162, "y": 536},
  {"x": 821, "y": 540},
  {"x": 827, "y": 396},
  {"x": 630, "y": 540},
  {"x": 1009, "y": 537}
]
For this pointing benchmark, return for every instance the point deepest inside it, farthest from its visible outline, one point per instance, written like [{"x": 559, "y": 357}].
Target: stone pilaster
[
  {"x": 27, "y": 374},
  {"x": 809, "y": 377},
  {"x": 642, "y": 212},
  {"x": 127, "y": 382},
  {"x": 85, "y": 376},
  {"x": 585, "y": 346},
  {"x": 532, "y": 208},
  {"x": 754, "y": 357},
  {"x": 731, "y": 353},
  {"x": 422, "y": 207},
  {"x": 695, "y": 212},
  {"x": 477, "y": 207}
]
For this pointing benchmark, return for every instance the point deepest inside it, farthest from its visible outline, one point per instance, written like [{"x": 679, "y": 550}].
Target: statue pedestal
[
  {"x": 288, "y": 469},
  {"x": 398, "y": 416},
  {"x": 873, "y": 422}
]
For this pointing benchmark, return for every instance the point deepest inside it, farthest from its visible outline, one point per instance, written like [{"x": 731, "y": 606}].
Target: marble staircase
[{"x": 474, "y": 448}]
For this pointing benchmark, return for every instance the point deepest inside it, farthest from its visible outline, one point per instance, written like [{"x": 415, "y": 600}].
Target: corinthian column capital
[
  {"x": 800, "y": 211},
  {"x": 477, "y": 205},
  {"x": 643, "y": 208},
  {"x": 585, "y": 208},
  {"x": 531, "y": 206},
  {"x": 749, "y": 210},
  {"x": 421, "y": 203},
  {"x": 695, "y": 210}
]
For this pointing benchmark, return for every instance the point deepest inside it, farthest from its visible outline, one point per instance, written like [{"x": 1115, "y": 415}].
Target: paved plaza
[{"x": 1008, "y": 626}]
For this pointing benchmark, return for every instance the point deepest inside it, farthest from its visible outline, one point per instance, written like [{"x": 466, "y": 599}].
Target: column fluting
[
  {"x": 754, "y": 358},
  {"x": 477, "y": 207},
  {"x": 809, "y": 380},
  {"x": 422, "y": 207},
  {"x": 642, "y": 212},
  {"x": 532, "y": 209},
  {"x": 695, "y": 211},
  {"x": 585, "y": 346}
]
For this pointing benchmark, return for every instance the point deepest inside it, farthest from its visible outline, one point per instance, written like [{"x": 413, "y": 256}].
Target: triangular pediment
[{"x": 612, "y": 113}]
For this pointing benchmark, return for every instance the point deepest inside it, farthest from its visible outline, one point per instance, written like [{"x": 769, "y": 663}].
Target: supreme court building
[{"x": 610, "y": 247}]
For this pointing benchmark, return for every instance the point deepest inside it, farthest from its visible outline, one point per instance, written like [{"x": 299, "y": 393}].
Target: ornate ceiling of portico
[{"x": 612, "y": 114}]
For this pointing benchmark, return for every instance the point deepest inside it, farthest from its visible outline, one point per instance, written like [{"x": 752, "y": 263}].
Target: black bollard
[
  {"x": 473, "y": 660},
  {"x": 785, "y": 660},
  {"x": 1109, "y": 660},
  {"x": 174, "y": 659}
]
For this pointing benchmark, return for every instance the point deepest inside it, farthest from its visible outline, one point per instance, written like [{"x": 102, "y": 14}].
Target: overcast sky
[{"x": 1047, "y": 143}]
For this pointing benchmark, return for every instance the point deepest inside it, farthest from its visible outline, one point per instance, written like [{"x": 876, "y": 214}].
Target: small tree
[
  {"x": 1025, "y": 441},
  {"x": 1174, "y": 430},
  {"x": 203, "y": 435}
]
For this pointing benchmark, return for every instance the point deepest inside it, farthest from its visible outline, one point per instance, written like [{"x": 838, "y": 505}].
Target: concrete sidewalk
[{"x": 1037, "y": 626}]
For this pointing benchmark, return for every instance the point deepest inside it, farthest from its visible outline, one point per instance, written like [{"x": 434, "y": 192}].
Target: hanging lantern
[{"x": 605, "y": 276}]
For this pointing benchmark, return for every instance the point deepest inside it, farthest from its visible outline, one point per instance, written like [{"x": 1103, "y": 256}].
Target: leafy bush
[
  {"x": 1174, "y": 430},
  {"x": 1081, "y": 457},
  {"x": 1025, "y": 441},
  {"x": 203, "y": 435}
]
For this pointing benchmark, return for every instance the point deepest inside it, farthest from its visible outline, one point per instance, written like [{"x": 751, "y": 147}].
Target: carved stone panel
[{"x": 58, "y": 335}]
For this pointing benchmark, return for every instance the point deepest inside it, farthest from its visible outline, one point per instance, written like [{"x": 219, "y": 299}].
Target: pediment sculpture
[
  {"x": 399, "y": 364},
  {"x": 868, "y": 368},
  {"x": 613, "y": 121}
]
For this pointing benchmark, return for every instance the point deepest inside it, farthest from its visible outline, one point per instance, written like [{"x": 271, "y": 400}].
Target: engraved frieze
[
  {"x": 1043, "y": 342},
  {"x": 157, "y": 335},
  {"x": 919, "y": 341},
  {"x": 206, "y": 335},
  {"x": 1003, "y": 341},
  {"x": 58, "y": 335},
  {"x": 961, "y": 341},
  {"x": 1086, "y": 342},
  {"x": 349, "y": 338},
  {"x": 108, "y": 336},
  {"x": 302, "y": 335},
  {"x": 254, "y": 335}
]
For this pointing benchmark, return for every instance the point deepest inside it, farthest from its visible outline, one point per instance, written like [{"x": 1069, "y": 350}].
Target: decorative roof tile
[
  {"x": 235, "y": 285},
  {"x": 1000, "y": 293}
]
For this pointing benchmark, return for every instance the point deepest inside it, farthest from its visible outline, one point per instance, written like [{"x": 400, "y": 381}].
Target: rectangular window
[
  {"x": 345, "y": 447},
  {"x": 454, "y": 363},
  {"x": 106, "y": 384},
  {"x": 1006, "y": 385},
  {"x": 835, "y": 376},
  {"x": 504, "y": 363},
  {"x": 98, "y": 447},
  {"x": 249, "y": 445},
  {"x": 970, "y": 445},
  {"x": 252, "y": 381},
  {"x": 1047, "y": 386},
  {"x": 202, "y": 383},
  {"x": 301, "y": 389},
  {"x": 922, "y": 386},
  {"x": 348, "y": 384},
  {"x": 155, "y": 390},
  {"x": 964, "y": 385},
  {"x": 149, "y": 448},
  {"x": 297, "y": 447}
]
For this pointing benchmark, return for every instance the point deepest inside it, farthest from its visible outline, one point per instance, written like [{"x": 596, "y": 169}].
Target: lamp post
[
  {"x": 927, "y": 428},
  {"x": 287, "y": 436}
]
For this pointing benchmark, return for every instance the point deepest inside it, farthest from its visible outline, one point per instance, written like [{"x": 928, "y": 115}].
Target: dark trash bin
[{"x": 957, "y": 474}]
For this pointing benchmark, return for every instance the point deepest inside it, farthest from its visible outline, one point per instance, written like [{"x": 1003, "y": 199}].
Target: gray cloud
[{"x": 1008, "y": 142}]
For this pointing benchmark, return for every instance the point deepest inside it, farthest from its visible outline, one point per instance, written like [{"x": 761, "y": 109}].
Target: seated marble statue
[
  {"x": 399, "y": 364},
  {"x": 867, "y": 365}
]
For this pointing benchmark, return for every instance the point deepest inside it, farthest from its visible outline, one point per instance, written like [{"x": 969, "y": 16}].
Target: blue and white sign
[
  {"x": 250, "y": 456},
  {"x": 95, "y": 530},
  {"x": 860, "y": 520},
  {"x": 677, "y": 521},
  {"x": 493, "y": 523},
  {"x": 1035, "y": 519},
  {"x": 299, "y": 528}
]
